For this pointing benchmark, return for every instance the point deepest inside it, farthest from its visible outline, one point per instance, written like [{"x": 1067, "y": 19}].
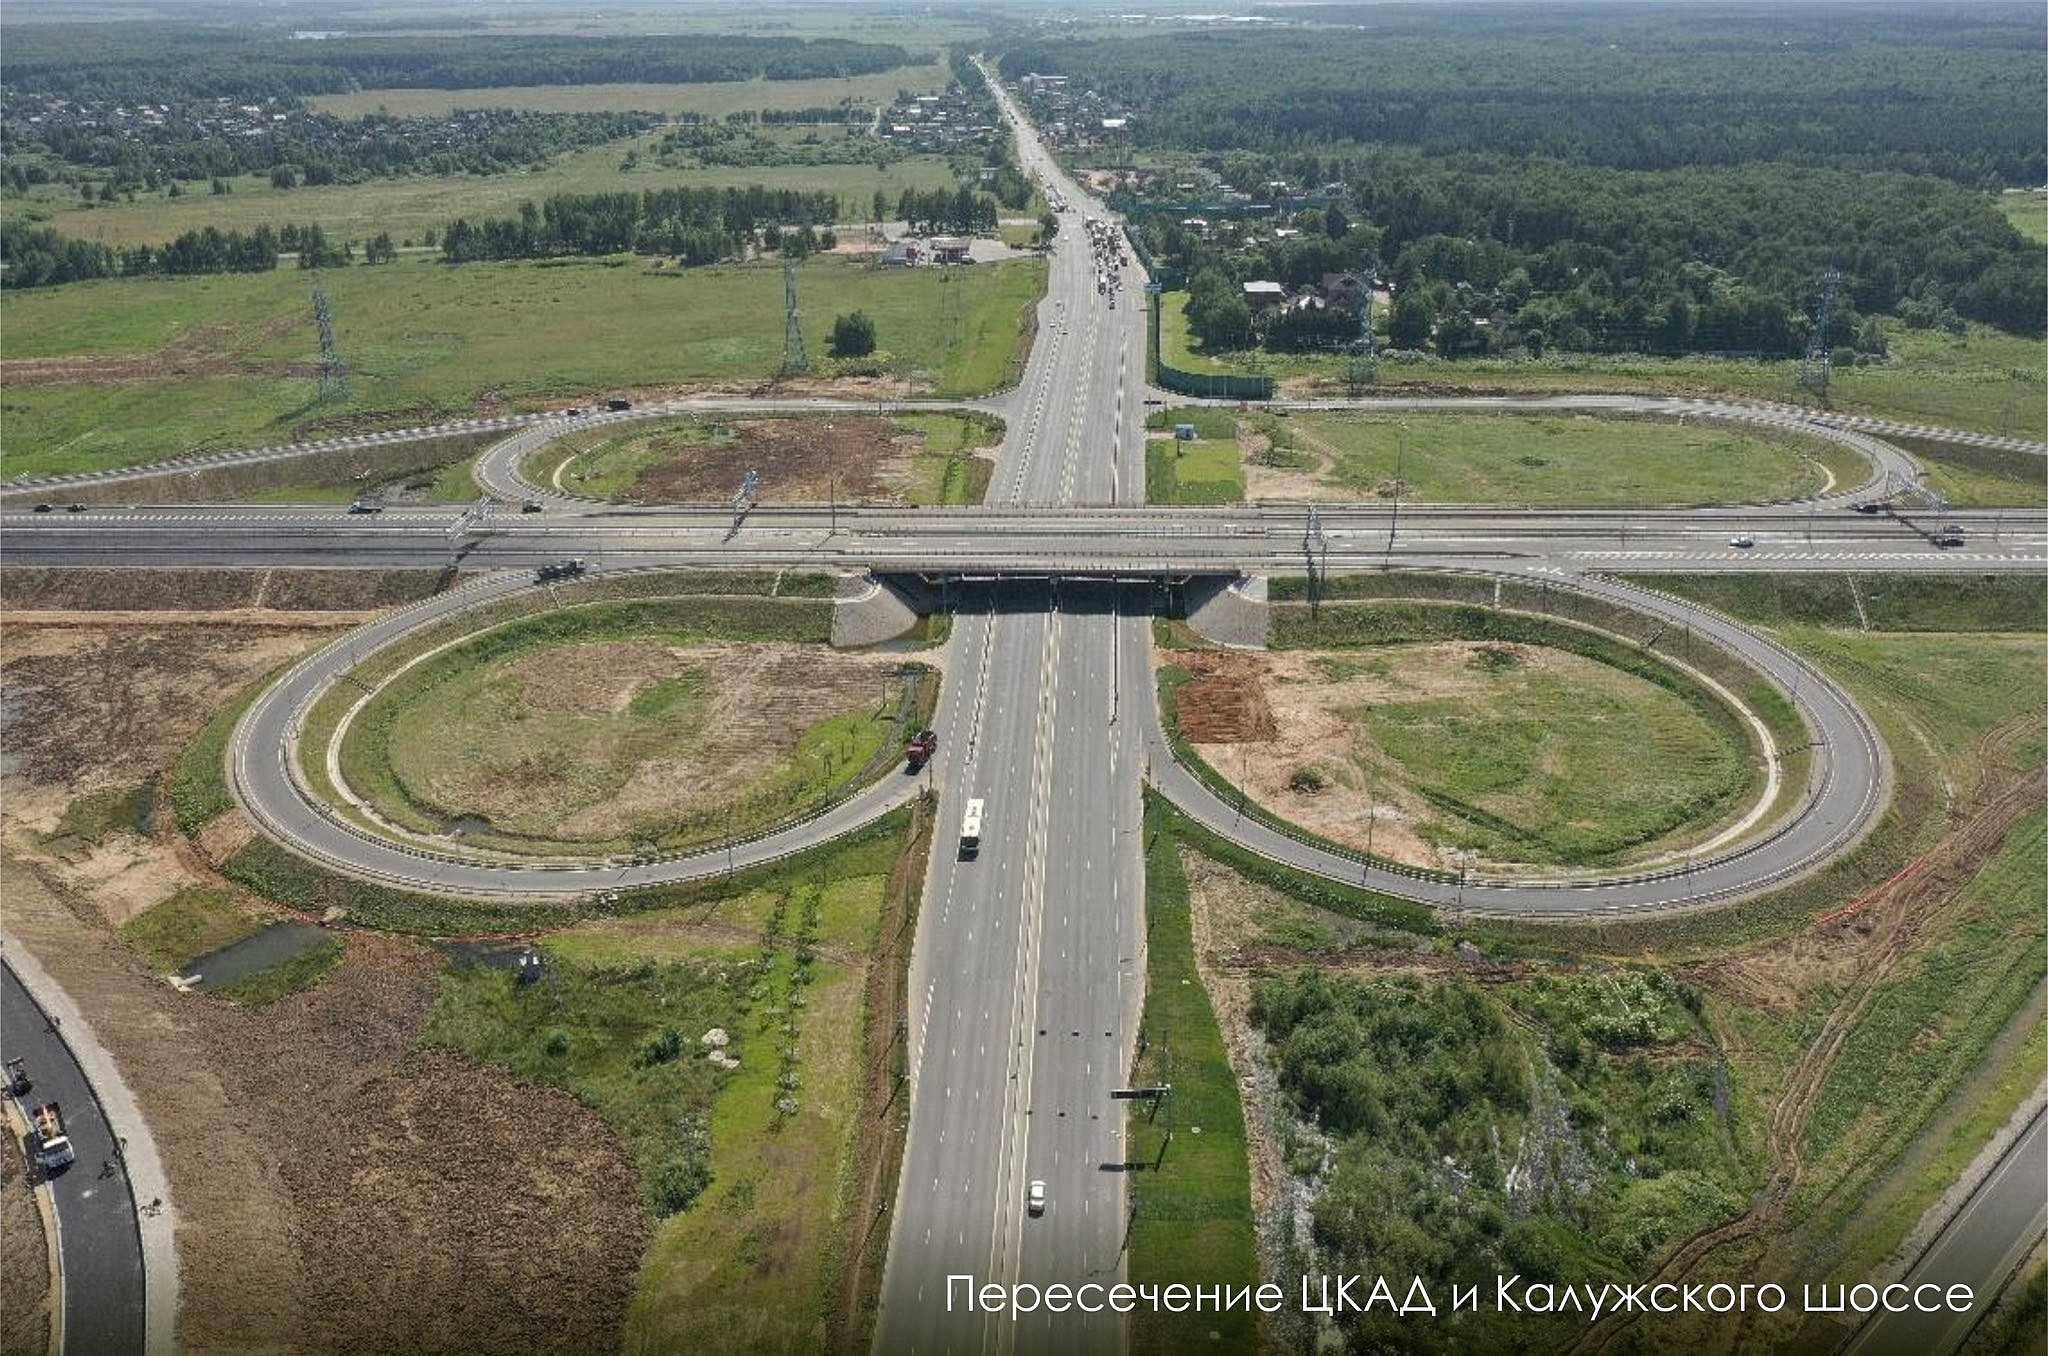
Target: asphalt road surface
[
  {"x": 1027, "y": 976},
  {"x": 99, "y": 1248},
  {"x": 1986, "y": 1240}
]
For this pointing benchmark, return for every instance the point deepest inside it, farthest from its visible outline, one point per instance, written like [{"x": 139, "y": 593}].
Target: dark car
[
  {"x": 531, "y": 506},
  {"x": 74, "y": 508},
  {"x": 42, "y": 508}
]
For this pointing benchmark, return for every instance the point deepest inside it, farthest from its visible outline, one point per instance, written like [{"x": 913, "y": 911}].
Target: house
[
  {"x": 1260, "y": 295},
  {"x": 902, "y": 253},
  {"x": 950, "y": 249},
  {"x": 1345, "y": 289}
]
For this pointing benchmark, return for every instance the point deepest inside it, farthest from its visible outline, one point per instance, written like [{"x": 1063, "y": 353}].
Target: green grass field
[
  {"x": 712, "y": 99},
  {"x": 429, "y": 341},
  {"x": 487, "y": 732},
  {"x": 1205, "y": 469},
  {"x": 1517, "y": 459},
  {"x": 192, "y": 922},
  {"x": 1192, "y": 1221},
  {"x": 1984, "y": 380},
  {"x": 409, "y": 207},
  {"x": 2028, "y": 212},
  {"x": 1563, "y": 760}
]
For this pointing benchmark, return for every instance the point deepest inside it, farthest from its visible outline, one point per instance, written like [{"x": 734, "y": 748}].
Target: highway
[
  {"x": 1027, "y": 974},
  {"x": 1988, "y": 1238},
  {"x": 99, "y": 1246}
]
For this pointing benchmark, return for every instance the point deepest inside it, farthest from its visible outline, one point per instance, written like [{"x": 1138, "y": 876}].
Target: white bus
[{"x": 970, "y": 830}]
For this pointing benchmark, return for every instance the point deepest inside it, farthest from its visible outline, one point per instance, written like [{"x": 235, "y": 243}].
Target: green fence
[{"x": 1207, "y": 385}]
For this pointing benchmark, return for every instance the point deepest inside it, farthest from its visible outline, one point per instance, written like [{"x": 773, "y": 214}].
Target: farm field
[
  {"x": 1983, "y": 380},
  {"x": 127, "y": 371},
  {"x": 713, "y": 99},
  {"x": 410, "y": 207},
  {"x": 1517, "y": 459}
]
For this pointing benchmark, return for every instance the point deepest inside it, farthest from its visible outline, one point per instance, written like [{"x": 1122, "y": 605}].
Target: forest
[
  {"x": 1620, "y": 178},
  {"x": 175, "y": 63},
  {"x": 1948, "y": 90}
]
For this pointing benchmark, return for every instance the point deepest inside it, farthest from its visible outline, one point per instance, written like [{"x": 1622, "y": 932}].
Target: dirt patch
[
  {"x": 799, "y": 460},
  {"x": 1225, "y": 702},
  {"x": 760, "y": 698},
  {"x": 88, "y": 708}
]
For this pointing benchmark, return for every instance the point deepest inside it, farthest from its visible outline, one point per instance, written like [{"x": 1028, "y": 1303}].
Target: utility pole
[
  {"x": 1813, "y": 365},
  {"x": 794, "y": 362},
  {"x": 1400, "y": 458}
]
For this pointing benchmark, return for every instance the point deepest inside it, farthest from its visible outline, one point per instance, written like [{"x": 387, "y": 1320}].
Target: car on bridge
[
  {"x": 1742, "y": 541},
  {"x": 365, "y": 506}
]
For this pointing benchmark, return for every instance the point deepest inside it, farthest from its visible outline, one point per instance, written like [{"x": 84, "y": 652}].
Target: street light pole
[{"x": 1400, "y": 456}]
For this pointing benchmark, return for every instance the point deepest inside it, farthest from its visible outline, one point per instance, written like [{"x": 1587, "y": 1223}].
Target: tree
[
  {"x": 1048, "y": 227},
  {"x": 284, "y": 176},
  {"x": 853, "y": 336},
  {"x": 1413, "y": 319},
  {"x": 1335, "y": 223}
]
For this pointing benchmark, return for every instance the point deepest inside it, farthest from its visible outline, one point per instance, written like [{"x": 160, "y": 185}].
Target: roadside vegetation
[
  {"x": 846, "y": 458},
  {"x": 720, "y": 1030},
  {"x": 1204, "y": 469},
  {"x": 1777, "y": 1089}
]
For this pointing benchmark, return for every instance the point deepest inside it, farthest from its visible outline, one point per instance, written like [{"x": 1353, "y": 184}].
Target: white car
[
  {"x": 1034, "y": 1200},
  {"x": 1744, "y": 541}
]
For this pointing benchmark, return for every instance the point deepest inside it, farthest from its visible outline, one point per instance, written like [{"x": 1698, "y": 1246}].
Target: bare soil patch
[
  {"x": 860, "y": 458},
  {"x": 1225, "y": 703},
  {"x": 200, "y": 594},
  {"x": 761, "y": 698}
]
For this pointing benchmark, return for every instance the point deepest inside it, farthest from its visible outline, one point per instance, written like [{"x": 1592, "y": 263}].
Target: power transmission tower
[
  {"x": 1364, "y": 362},
  {"x": 794, "y": 363},
  {"x": 1813, "y": 367},
  {"x": 334, "y": 382}
]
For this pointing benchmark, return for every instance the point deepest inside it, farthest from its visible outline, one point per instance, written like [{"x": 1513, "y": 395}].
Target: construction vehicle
[
  {"x": 47, "y": 1140},
  {"x": 18, "y": 1081},
  {"x": 922, "y": 746},
  {"x": 559, "y": 569}
]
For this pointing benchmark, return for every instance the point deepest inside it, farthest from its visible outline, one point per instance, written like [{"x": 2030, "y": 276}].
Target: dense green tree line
[
  {"x": 319, "y": 148},
  {"x": 962, "y": 211},
  {"x": 38, "y": 256},
  {"x": 1950, "y": 90},
  {"x": 700, "y": 225},
  {"x": 171, "y": 63}
]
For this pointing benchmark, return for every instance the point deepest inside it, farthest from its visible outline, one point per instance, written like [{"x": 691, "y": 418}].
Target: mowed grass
[
  {"x": 429, "y": 341},
  {"x": 409, "y": 207},
  {"x": 1548, "y": 459},
  {"x": 1192, "y": 1224},
  {"x": 1984, "y": 380},
  {"x": 1570, "y": 762},
  {"x": 2028, "y": 212},
  {"x": 713, "y": 99},
  {"x": 954, "y": 464},
  {"x": 1205, "y": 469}
]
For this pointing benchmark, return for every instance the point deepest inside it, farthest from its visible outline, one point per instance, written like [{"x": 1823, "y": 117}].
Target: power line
[
  {"x": 1813, "y": 367},
  {"x": 334, "y": 380},
  {"x": 794, "y": 363}
]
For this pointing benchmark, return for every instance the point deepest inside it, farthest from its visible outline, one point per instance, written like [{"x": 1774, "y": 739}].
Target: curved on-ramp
[{"x": 1847, "y": 787}]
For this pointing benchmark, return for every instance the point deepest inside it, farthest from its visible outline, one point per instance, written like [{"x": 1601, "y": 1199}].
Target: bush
[{"x": 853, "y": 336}]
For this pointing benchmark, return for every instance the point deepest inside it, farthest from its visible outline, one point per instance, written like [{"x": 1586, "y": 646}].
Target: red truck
[{"x": 922, "y": 746}]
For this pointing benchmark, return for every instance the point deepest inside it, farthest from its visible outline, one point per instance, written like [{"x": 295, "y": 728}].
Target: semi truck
[{"x": 47, "y": 1140}]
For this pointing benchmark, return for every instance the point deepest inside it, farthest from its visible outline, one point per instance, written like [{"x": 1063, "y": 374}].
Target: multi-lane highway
[{"x": 1028, "y": 970}]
